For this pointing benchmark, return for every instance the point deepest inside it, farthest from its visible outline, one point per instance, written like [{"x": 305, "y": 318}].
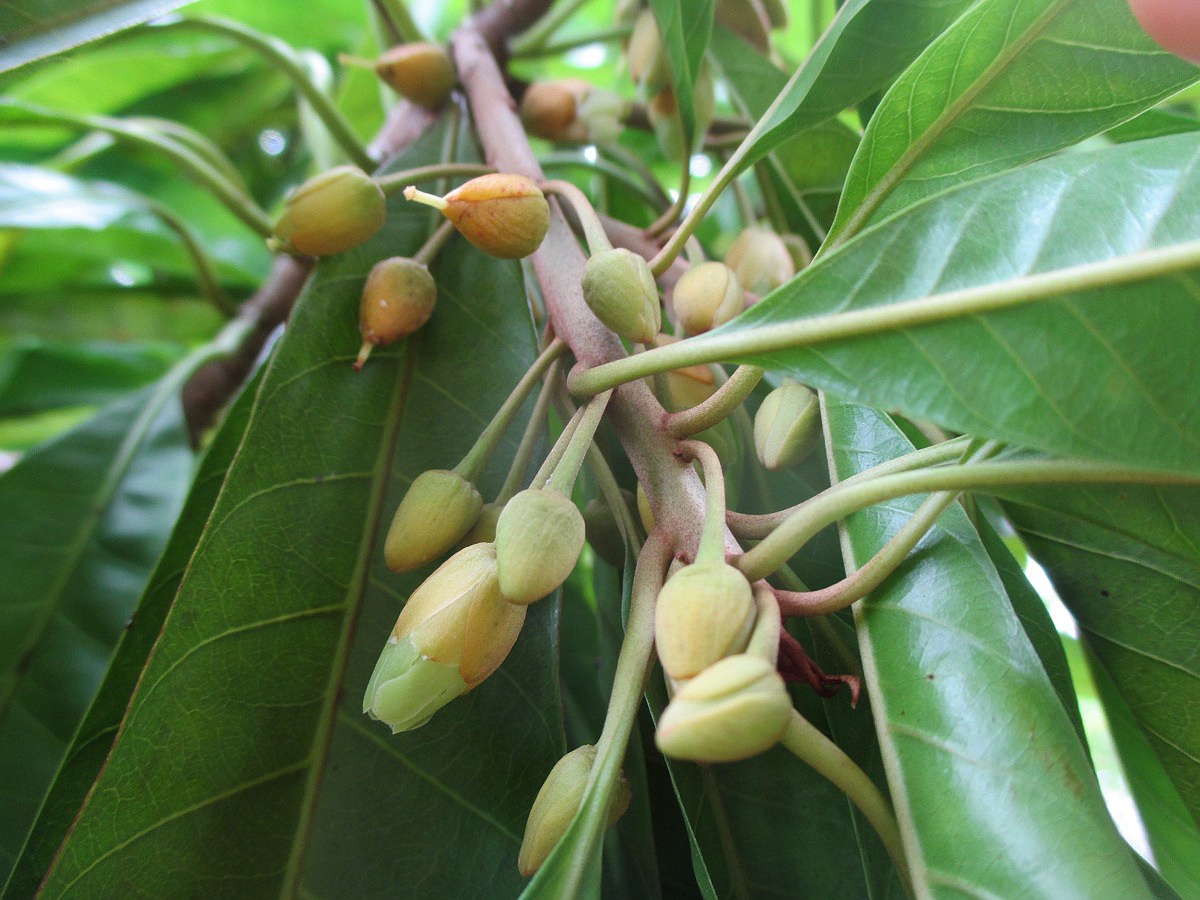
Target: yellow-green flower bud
[
  {"x": 736, "y": 708},
  {"x": 603, "y": 531},
  {"x": 503, "y": 215},
  {"x": 704, "y": 613},
  {"x": 453, "y": 633},
  {"x": 558, "y": 803},
  {"x": 571, "y": 109},
  {"x": 398, "y": 298},
  {"x": 439, "y": 507},
  {"x": 331, "y": 212},
  {"x": 706, "y": 296},
  {"x": 787, "y": 425},
  {"x": 619, "y": 288},
  {"x": 539, "y": 537},
  {"x": 646, "y": 56},
  {"x": 761, "y": 260},
  {"x": 422, "y": 73},
  {"x": 663, "y": 113}
]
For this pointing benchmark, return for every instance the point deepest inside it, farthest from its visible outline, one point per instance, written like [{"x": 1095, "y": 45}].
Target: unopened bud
[
  {"x": 539, "y": 537},
  {"x": 439, "y": 507},
  {"x": 787, "y": 425},
  {"x": 331, "y": 212},
  {"x": 664, "y": 116},
  {"x": 503, "y": 215},
  {"x": 704, "y": 613},
  {"x": 646, "y": 56},
  {"x": 454, "y": 631},
  {"x": 745, "y": 19},
  {"x": 619, "y": 288},
  {"x": 398, "y": 298},
  {"x": 706, "y": 296},
  {"x": 736, "y": 708},
  {"x": 558, "y": 803},
  {"x": 422, "y": 73},
  {"x": 761, "y": 260},
  {"x": 571, "y": 109}
]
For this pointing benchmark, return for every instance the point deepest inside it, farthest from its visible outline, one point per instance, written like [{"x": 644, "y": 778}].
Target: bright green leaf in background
[{"x": 685, "y": 27}]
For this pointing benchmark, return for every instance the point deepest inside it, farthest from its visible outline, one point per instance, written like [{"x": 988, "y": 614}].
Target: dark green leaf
[
  {"x": 1126, "y": 561},
  {"x": 1036, "y": 372},
  {"x": 963, "y": 708},
  {"x": 83, "y": 520},
  {"x": 1011, "y": 81},
  {"x": 37, "y": 375},
  {"x": 685, "y": 27},
  {"x": 1170, "y": 828},
  {"x": 284, "y": 608},
  {"x": 34, "y": 29},
  {"x": 91, "y": 743}
]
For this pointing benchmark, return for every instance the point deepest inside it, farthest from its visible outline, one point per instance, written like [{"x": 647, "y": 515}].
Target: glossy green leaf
[
  {"x": 284, "y": 608},
  {"x": 82, "y": 520},
  {"x": 37, "y": 375},
  {"x": 1126, "y": 561},
  {"x": 1174, "y": 838},
  {"x": 109, "y": 316},
  {"x": 34, "y": 29},
  {"x": 963, "y": 708},
  {"x": 1011, "y": 81},
  {"x": 91, "y": 743},
  {"x": 1044, "y": 302},
  {"x": 685, "y": 27},
  {"x": 868, "y": 43}
]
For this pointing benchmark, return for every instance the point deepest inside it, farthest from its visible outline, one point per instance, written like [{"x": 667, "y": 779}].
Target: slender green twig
[
  {"x": 206, "y": 272},
  {"x": 515, "y": 478},
  {"x": 811, "y": 746},
  {"x": 477, "y": 457},
  {"x": 668, "y": 218},
  {"x": 768, "y": 625},
  {"x": 567, "y": 470},
  {"x": 533, "y": 39},
  {"x": 400, "y": 20},
  {"x": 395, "y": 182},
  {"x": 285, "y": 59},
  {"x": 722, "y": 403},
  {"x": 566, "y": 44},
  {"x": 430, "y": 249},
  {"x": 631, "y": 162},
  {"x": 963, "y": 303},
  {"x": 712, "y": 536},
  {"x": 593, "y": 228},
  {"x": 560, "y": 159}
]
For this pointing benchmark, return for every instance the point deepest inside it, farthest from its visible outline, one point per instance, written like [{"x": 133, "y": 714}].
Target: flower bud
[
  {"x": 646, "y": 56},
  {"x": 619, "y": 288},
  {"x": 571, "y": 109},
  {"x": 736, "y": 708},
  {"x": 761, "y": 260},
  {"x": 453, "y": 633},
  {"x": 398, "y": 298},
  {"x": 705, "y": 612},
  {"x": 539, "y": 537},
  {"x": 663, "y": 113},
  {"x": 422, "y": 73},
  {"x": 502, "y": 214},
  {"x": 558, "y": 803},
  {"x": 439, "y": 507},
  {"x": 745, "y": 19},
  {"x": 787, "y": 425},
  {"x": 603, "y": 531},
  {"x": 331, "y": 212},
  {"x": 706, "y": 296}
]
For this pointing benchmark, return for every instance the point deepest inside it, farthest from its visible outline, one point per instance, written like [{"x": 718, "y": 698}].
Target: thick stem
[
  {"x": 904, "y": 314},
  {"x": 814, "y": 748},
  {"x": 845, "y": 498},
  {"x": 723, "y": 403},
  {"x": 477, "y": 457}
]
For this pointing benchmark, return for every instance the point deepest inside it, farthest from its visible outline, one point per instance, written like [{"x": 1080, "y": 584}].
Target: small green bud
[
  {"x": 706, "y": 296},
  {"x": 603, "y": 532},
  {"x": 504, "y": 215},
  {"x": 558, "y": 803},
  {"x": 787, "y": 425},
  {"x": 454, "y": 631},
  {"x": 619, "y": 288},
  {"x": 439, "y": 507},
  {"x": 422, "y": 73},
  {"x": 704, "y": 613},
  {"x": 761, "y": 260},
  {"x": 331, "y": 212},
  {"x": 736, "y": 708},
  {"x": 646, "y": 56},
  {"x": 539, "y": 537},
  {"x": 398, "y": 298}
]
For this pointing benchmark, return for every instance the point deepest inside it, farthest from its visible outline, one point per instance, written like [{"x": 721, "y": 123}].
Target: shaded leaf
[
  {"x": 1126, "y": 561},
  {"x": 91, "y": 743},
  {"x": 1011, "y": 81},
  {"x": 685, "y": 27},
  {"x": 1023, "y": 347},
  {"x": 35, "y": 29},
  {"x": 83, "y": 520},
  {"x": 962, "y": 704}
]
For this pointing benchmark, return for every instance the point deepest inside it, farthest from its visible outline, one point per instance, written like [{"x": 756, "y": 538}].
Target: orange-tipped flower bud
[
  {"x": 503, "y": 215},
  {"x": 422, "y": 73},
  {"x": 398, "y": 298}
]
